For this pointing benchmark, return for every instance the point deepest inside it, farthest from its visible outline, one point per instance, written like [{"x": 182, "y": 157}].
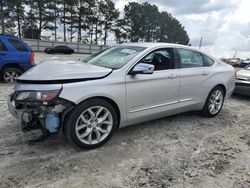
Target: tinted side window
[
  {"x": 2, "y": 46},
  {"x": 208, "y": 60},
  {"x": 18, "y": 45},
  {"x": 162, "y": 59},
  {"x": 190, "y": 58}
]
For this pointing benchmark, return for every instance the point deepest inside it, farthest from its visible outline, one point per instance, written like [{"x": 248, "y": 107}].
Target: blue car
[{"x": 16, "y": 57}]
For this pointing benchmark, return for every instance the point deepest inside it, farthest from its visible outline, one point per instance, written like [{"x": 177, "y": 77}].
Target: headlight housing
[{"x": 37, "y": 96}]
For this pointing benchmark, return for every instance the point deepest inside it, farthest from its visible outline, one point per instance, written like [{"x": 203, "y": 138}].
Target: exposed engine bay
[{"x": 44, "y": 115}]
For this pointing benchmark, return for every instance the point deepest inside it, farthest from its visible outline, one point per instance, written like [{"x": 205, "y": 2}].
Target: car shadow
[{"x": 240, "y": 97}]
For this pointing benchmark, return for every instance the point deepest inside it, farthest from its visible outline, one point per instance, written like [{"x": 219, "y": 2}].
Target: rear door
[
  {"x": 194, "y": 72},
  {"x": 19, "y": 53},
  {"x": 149, "y": 94}
]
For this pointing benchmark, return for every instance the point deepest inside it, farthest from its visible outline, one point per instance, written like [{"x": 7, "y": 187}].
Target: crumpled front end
[{"x": 43, "y": 110}]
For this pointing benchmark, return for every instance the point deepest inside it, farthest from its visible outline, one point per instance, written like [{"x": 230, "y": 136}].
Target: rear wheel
[
  {"x": 10, "y": 74},
  {"x": 91, "y": 124},
  {"x": 214, "y": 102}
]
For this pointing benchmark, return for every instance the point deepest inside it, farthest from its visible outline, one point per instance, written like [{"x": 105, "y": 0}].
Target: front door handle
[
  {"x": 172, "y": 76},
  {"x": 204, "y": 73}
]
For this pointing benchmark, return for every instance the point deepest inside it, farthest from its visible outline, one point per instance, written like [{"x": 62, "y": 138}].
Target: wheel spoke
[
  {"x": 216, "y": 108},
  {"x": 84, "y": 119},
  {"x": 98, "y": 135},
  {"x": 218, "y": 95},
  {"x": 218, "y": 103},
  {"x": 86, "y": 133},
  {"x": 211, "y": 107},
  {"x": 91, "y": 113},
  {"x": 106, "y": 122},
  {"x": 79, "y": 127},
  {"x": 102, "y": 130},
  {"x": 99, "y": 111},
  {"x": 104, "y": 117},
  {"x": 90, "y": 137}
]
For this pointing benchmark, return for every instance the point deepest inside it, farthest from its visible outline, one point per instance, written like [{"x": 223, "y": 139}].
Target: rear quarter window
[
  {"x": 190, "y": 58},
  {"x": 18, "y": 45},
  {"x": 208, "y": 60}
]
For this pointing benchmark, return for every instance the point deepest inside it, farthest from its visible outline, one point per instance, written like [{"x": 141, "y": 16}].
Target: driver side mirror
[{"x": 142, "y": 68}]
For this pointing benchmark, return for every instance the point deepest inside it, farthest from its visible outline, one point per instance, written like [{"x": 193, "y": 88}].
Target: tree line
[{"x": 89, "y": 21}]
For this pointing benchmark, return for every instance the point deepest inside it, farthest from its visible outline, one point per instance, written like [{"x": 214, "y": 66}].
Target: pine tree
[{"x": 109, "y": 15}]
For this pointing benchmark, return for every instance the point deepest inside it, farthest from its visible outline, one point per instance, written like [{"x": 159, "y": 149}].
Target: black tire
[
  {"x": 205, "y": 111},
  {"x": 72, "y": 119},
  {"x": 12, "y": 70}
]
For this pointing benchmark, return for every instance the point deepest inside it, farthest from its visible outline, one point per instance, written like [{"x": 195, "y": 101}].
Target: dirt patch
[{"x": 186, "y": 150}]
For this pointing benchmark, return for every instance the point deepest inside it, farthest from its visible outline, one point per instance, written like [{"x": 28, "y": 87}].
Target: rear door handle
[
  {"x": 204, "y": 73},
  {"x": 172, "y": 76}
]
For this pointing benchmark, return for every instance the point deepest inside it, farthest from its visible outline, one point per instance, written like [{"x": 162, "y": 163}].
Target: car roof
[
  {"x": 165, "y": 45},
  {"x": 153, "y": 44}
]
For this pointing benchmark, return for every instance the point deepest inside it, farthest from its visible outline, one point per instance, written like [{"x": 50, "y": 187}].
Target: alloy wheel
[
  {"x": 94, "y": 125},
  {"x": 215, "y": 102}
]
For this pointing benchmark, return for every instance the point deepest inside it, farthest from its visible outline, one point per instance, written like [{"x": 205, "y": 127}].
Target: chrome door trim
[
  {"x": 155, "y": 106},
  {"x": 185, "y": 100},
  {"x": 159, "y": 105}
]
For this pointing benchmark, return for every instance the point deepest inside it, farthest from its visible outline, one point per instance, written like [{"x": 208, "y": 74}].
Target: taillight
[{"x": 32, "y": 58}]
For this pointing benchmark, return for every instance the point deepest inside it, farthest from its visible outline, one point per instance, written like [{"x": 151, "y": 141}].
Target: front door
[{"x": 149, "y": 94}]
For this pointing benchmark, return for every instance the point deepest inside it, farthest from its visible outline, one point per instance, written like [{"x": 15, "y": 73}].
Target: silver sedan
[
  {"x": 119, "y": 86},
  {"x": 243, "y": 81}
]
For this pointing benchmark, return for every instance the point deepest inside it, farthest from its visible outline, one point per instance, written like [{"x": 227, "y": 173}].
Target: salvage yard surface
[{"x": 185, "y": 150}]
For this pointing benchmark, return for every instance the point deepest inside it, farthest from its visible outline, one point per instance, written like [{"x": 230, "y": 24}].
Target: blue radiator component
[{"x": 52, "y": 122}]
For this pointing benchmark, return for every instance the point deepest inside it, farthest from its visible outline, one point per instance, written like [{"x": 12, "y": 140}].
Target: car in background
[
  {"x": 16, "y": 57},
  {"x": 59, "y": 49},
  {"x": 123, "y": 85},
  {"x": 244, "y": 63},
  {"x": 242, "y": 81},
  {"x": 234, "y": 62}
]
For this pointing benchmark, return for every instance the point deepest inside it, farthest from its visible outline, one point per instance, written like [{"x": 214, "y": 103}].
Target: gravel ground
[{"x": 186, "y": 150}]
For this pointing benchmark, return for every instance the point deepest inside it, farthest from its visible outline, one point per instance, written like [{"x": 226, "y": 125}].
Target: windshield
[{"x": 114, "y": 57}]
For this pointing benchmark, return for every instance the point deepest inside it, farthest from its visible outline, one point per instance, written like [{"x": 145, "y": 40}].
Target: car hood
[{"x": 59, "y": 71}]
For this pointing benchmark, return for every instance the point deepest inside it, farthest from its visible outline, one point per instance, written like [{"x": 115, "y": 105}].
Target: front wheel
[
  {"x": 91, "y": 124},
  {"x": 214, "y": 102}
]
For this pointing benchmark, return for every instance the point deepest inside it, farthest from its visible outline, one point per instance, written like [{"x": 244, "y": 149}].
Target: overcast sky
[{"x": 224, "y": 24}]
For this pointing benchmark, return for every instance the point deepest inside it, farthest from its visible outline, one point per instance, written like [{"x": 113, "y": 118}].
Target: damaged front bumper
[
  {"x": 12, "y": 109},
  {"x": 35, "y": 115}
]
